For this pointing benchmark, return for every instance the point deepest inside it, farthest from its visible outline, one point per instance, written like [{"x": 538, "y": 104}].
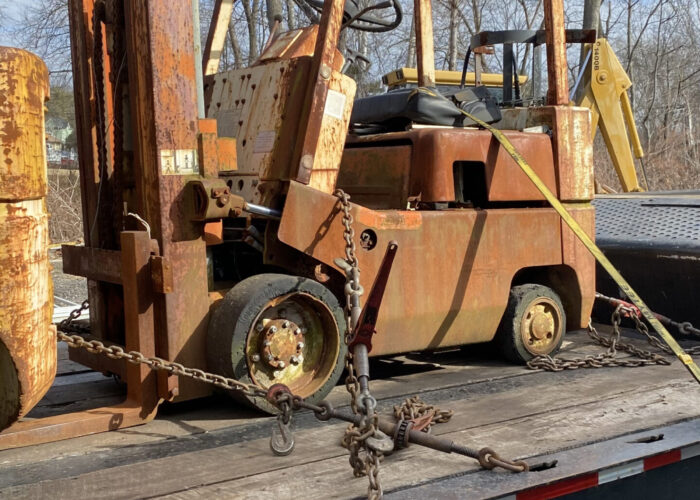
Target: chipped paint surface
[
  {"x": 28, "y": 342},
  {"x": 23, "y": 90},
  {"x": 431, "y": 302}
]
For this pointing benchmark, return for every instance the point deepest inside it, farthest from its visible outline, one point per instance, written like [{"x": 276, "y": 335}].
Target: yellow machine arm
[{"x": 605, "y": 94}]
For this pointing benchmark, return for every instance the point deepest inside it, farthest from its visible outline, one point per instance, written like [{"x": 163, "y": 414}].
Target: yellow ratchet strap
[{"x": 592, "y": 247}]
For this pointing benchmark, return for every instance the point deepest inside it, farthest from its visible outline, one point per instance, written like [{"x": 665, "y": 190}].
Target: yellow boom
[{"x": 605, "y": 94}]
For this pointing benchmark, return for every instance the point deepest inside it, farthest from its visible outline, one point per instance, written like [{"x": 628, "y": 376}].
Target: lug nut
[
  {"x": 255, "y": 358},
  {"x": 273, "y": 329},
  {"x": 269, "y": 356},
  {"x": 266, "y": 342},
  {"x": 281, "y": 364},
  {"x": 297, "y": 331},
  {"x": 300, "y": 345},
  {"x": 294, "y": 359},
  {"x": 285, "y": 324},
  {"x": 276, "y": 374}
]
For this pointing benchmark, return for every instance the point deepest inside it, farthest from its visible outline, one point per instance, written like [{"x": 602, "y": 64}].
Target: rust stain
[
  {"x": 28, "y": 353},
  {"x": 24, "y": 90},
  {"x": 460, "y": 297}
]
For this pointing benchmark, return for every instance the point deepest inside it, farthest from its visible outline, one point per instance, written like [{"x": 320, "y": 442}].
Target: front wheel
[
  {"x": 278, "y": 329},
  {"x": 533, "y": 323}
]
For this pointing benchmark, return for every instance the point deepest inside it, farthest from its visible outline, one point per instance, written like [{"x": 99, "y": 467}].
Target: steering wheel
[{"x": 357, "y": 18}]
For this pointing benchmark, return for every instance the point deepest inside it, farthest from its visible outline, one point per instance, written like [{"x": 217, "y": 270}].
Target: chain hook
[{"x": 282, "y": 439}]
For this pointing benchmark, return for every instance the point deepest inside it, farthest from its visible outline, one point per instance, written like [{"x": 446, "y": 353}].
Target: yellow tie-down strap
[{"x": 592, "y": 247}]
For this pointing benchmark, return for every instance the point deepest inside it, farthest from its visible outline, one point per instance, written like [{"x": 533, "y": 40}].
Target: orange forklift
[{"x": 214, "y": 217}]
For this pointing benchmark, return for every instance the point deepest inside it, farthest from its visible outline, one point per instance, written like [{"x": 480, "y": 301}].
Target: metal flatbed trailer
[{"x": 607, "y": 426}]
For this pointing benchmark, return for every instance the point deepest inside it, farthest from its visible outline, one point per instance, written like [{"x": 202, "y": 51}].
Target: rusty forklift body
[{"x": 180, "y": 209}]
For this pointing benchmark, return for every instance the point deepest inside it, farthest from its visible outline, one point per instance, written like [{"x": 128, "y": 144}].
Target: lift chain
[
  {"x": 613, "y": 343},
  {"x": 363, "y": 458}
]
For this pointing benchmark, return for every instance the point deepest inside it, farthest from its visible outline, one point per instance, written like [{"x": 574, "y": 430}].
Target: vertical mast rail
[
  {"x": 424, "y": 43},
  {"x": 558, "y": 92}
]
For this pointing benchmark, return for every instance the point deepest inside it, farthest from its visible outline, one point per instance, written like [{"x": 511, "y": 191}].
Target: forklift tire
[
  {"x": 278, "y": 329},
  {"x": 533, "y": 324}
]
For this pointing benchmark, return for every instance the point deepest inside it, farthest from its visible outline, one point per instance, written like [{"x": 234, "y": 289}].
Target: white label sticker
[
  {"x": 178, "y": 162},
  {"x": 265, "y": 141},
  {"x": 335, "y": 104}
]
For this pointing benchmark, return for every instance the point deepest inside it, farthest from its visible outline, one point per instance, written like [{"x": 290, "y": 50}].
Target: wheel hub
[
  {"x": 540, "y": 328},
  {"x": 282, "y": 342},
  {"x": 541, "y": 325},
  {"x": 294, "y": 340}
]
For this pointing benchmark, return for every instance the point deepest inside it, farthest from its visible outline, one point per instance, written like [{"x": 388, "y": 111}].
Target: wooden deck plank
[
  {"x": 401, "y": 376},
  {"x": 483, "y": 392},
  {"x": 397, "y": 377},
  {"x": 524, "y": 437},
  {"x": 571, "y": 403}
]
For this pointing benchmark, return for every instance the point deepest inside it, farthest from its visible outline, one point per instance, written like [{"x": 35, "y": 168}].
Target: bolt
[
  {"x": 266, "y": 342},
  {"x": 295, "y": 360},
  {"x": 269, "y": 356},
  {"x": 297, "y": 331},
  {"x": 273, "y": 329},
  {"x": 281, "y": 364},
  {"x": 255, "y": 358},
  {"x": 285, "y": 324},
  {"x": 300, "y": 345},
  {"x": 276, "y": 374}
]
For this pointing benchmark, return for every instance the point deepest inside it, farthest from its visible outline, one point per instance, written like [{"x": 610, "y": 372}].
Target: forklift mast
[
  {"x": 141, "y": 142},
  {"x": 164, "y": 187}
]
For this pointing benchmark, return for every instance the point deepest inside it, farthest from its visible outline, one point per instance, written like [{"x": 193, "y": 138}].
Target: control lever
[{"x": 356, "y": 58}]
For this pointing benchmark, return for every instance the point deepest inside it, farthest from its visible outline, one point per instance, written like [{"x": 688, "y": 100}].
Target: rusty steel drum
[{"x": 27, "y": 338}]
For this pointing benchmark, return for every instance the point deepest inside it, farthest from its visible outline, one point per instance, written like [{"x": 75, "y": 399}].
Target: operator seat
[{"x": 397, "y": 109}]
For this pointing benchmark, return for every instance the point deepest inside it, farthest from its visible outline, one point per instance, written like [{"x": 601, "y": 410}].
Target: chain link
[
  {"x": 414, "y": 408},
  {"x": 353, "y": 291},
  {"x": 641, "y": 357},
  {"x": 364, "y": 460},
  {"x": 154, "y": 363},
  {"x": 629, "y": 309}
]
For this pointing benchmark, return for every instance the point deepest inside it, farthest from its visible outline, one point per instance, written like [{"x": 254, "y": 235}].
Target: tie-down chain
[
  {"x": 367, "y": 451},
  {"x": 368, "y": 438}
]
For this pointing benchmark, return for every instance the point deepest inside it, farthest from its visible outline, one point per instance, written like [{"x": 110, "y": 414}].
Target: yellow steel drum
[{"x": 27, "y": 338}]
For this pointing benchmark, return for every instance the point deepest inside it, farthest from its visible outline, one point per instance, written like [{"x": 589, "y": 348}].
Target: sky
[{"x": 11, "y": 10}]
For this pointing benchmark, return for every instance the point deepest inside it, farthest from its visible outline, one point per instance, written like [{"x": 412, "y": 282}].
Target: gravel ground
[{"x": 65, "y": 286}]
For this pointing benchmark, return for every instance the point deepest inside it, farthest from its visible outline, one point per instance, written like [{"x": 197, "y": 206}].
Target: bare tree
[
  {"x": 656, "y": 40},
  {"x": 43, "y": 28}
]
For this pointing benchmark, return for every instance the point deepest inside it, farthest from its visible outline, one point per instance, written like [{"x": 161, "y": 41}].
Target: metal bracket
[{"x": 365, "y": 328}]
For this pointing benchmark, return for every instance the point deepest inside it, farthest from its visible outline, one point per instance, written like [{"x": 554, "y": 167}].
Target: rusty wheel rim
[
  {"x": 293, "y": 341},
  {"x": 541, "y": 326}
]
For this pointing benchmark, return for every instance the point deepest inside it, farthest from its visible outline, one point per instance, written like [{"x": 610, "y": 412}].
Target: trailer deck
[{"x": 587, "y": 419}]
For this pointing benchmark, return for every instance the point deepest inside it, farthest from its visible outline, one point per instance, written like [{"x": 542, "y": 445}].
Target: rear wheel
[
  {"x": 278, "y": 329},
  {"x": 533, "y": 323}
]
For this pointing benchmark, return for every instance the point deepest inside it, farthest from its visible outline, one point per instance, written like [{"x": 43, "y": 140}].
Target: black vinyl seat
[{"x": 396, "y": 109}]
